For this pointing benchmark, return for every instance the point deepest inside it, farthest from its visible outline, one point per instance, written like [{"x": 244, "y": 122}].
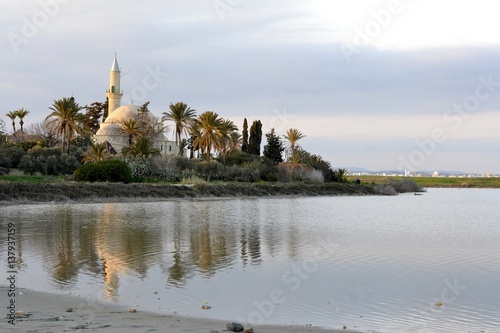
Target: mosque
[{"x": 110, "y": 131}]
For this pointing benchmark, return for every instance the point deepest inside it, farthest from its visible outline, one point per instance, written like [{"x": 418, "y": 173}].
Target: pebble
[{"x": 234, "y": 327}]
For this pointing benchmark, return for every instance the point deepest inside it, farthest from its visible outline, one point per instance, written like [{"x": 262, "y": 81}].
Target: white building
[{"x": 110, "y": 131}]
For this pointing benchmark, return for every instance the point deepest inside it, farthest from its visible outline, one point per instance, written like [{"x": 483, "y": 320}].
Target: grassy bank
[
  {"x": 19, "y": 192},
  {"x": 436, "y": 182}
]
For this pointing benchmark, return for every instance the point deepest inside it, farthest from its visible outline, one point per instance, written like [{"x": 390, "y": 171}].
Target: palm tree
[
  {"x": 182, "y": 145},
  {"x": 341, "y": 175},
  {"x": 12, "y": 115},
  {"x": 293, "y": 135},
  {"x": 235, "y": 141},
  {"x": 182, "y": 116},
  {"x": 209, "y": 129},
  {"x": 7, "y": 149},
  {"x": 130, "y": 128},
  {"x": 21, "y": 113},
  {"x": 97, "y": 152},
  {"x": 66, "y": 118},
  {"x": 227, "y": 129},
  {"x": 142, "y": 147}
]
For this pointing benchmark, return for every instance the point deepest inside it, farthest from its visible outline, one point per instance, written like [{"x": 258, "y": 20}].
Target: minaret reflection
[{"x": 124, "y": 247}]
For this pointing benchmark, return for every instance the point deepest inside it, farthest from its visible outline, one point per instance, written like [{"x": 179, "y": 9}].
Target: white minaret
[{"x": 114, "y": 93}]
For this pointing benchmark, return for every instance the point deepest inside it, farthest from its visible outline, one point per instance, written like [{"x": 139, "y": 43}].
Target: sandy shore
[{"x": 44, "y": 312}]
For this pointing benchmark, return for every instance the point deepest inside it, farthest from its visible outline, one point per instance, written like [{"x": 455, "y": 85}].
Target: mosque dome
[
  {"x": 111, "y": 129},
  {"x": 124, "y": 113}
]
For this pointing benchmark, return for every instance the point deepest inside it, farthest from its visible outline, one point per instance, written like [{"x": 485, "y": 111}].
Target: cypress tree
[
  {"x": 255, "y": 138},
  {"x": 244, "y": 145}
]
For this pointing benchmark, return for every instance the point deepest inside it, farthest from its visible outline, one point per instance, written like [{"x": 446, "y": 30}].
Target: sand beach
[{"x": 42, "y": 312}]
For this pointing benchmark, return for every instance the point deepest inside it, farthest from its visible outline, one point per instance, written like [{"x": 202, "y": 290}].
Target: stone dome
[
  {"x": 111, "y": 129},
  {"x": 124, "y": 113}
]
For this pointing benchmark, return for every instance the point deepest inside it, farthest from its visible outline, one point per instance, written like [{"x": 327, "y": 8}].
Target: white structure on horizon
[{"x": 110, "y": 131}]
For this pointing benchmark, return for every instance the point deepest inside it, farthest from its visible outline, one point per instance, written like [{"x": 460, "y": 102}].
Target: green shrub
[
  {"x": 111, "y": 170},
  {"x": 209, "y": 169},
  {"x": 243, "y": 173},
  {"x": 238, "y": 157},
  {"x": 52, "y": 165},
  {"x": 26, "y": 145},
  {"x": 39, "y": 151},
  {"x": 184, "y": 163},
  {"x": 31, "y": 165},
  {"x": 154, "y": 168},
  {"x": 10, "y": 155}
]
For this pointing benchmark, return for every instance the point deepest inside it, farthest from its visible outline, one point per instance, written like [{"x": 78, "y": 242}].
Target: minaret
[{"x": 114, "y": 93}]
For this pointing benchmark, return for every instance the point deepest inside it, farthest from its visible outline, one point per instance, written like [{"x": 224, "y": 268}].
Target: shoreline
[
  {"x": 74, "y": 192},
  {"x": 48, "y": 312}
]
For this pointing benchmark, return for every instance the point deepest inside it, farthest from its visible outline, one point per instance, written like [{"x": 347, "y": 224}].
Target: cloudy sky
[{"x": 388, "y": 84}]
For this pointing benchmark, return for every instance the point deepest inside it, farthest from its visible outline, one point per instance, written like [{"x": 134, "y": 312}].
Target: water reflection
[
  {"x": 112, "y": 241},
  {"x": 376, "y": 264},
  {"x": 123, "y": 247}
]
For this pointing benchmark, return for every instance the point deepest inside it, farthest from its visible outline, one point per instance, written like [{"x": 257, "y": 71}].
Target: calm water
[{"x": 374, "y": 263}]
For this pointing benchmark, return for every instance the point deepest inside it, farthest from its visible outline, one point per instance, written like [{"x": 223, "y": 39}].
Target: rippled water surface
[{"x": 374, "y": 263}]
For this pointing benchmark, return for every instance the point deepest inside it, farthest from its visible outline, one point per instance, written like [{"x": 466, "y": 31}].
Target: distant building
[
  {"x": 408, "y": 173},
  {"x": 435, "y": 174},
  {"x": 110, "y": 132}
]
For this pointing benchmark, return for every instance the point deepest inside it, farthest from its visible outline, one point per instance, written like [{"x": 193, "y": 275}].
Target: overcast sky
[{"x": 374, "y": 84}]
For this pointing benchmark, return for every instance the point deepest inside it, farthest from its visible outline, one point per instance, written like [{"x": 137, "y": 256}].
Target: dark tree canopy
[
  {"x": 274, "y": 147},
  {"x": 105, "y": 109},
  {"x": 92, "y": 117},
  {"x": 255, "y": 138},
  {"x": 143, "y": 108},
  {"x": 244, "y": 136}
]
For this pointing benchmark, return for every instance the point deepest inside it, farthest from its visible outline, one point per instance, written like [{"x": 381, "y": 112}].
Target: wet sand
[{"x": 40, "y": 312}]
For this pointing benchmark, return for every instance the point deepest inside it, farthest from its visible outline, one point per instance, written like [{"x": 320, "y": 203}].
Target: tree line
[{"x": 216, "y": 147}]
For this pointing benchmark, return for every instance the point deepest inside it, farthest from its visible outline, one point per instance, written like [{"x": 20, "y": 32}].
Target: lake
[{"x": 372, "y": 263}]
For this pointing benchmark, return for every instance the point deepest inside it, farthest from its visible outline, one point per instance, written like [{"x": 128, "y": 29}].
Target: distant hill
[{"x": 358, "y": 169}]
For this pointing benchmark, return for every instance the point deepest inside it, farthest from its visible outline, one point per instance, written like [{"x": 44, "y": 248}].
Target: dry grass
[{"x": 73, "y": 191}]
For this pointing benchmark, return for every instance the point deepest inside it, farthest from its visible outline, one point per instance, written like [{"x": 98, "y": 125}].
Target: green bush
[
  {"x": 39, "y": 151},
  {"x": 111, "y": 170},
  {"x": 31, "y": 165},
  {"x": 154, "y": 168},
  {"x": 209, "y": 169},
  {"x": 52, "y": 165},
  {"x": 238, "y": 157},
  {"x": 243, "y": 173},
  {"x": 10, "y": 155},
  {"x": 26, "y": 145}
]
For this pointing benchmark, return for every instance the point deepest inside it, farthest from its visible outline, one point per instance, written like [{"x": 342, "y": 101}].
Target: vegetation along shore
[
  {"x": 33, "y": 192},
  {"x": 52, "y": 161},
  {"x": 61, "y": 159}
]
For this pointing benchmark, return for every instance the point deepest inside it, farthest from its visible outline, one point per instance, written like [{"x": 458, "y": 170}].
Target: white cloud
[{"x": 267, "y": 56}]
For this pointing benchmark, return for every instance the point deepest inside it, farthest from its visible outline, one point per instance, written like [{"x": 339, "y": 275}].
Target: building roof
[{"x": 114, "y": 67}]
